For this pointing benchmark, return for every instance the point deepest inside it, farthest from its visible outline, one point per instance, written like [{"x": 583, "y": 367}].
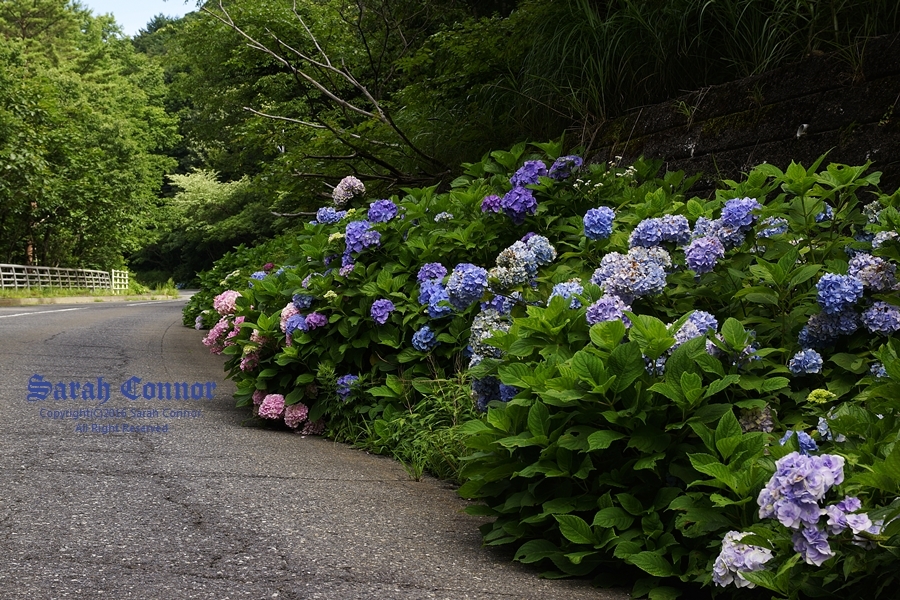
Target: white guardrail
[{"x": 21, "y": 276}]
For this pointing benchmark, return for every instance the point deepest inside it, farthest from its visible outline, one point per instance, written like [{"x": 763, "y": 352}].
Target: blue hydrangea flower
[
  {"x": 702, "y": 254},
  {"x": 439, "y": 303},
  {"x": 258, "y": 276},
  {"x": 302, "y": 301},
  {"x": 431, "y": 271},
  {"x": 517, "y": 203},
  {"x": 485, "y": 390},
  {"x": 485, "y": 324},
  {"x": 424, "y": 339},
  {"x": 529, "y": 173},
  {"x": 294, "y": 323},
  {"x": 568, "y": 290},
  {"x": 608, "y": 308},
  {"x": 563, "y": 167},
  {"x": 807, "y": 444},
  {"x": 491, "y": 204},
  {"x": 772, "y": 226},
  {"x": 675, "y": 229},
  {"x": 805, "y": 361},
  {"x": 466, "y": 285},
  {"x": 882, "y": 317},
  {"x": 823, "y": 329},
  {"x": 731, "y": 237},
  {"x": 647, "y": 233},
  {"x": 429, "y": 288},
  {"x": 825, "y": 215},
  {"x": 738, "y": 213},
  {"x": 345, "y": 386},
  {"x": 838, "y": 292},
  {"x": 281, "y": 270},
  {"x": 382, "y": 211},
  {"x": 507, "y": 392},
  {"x": 877, "y": 369},
  {"x": 698, "y": 325},
  {"x": 381, "y": 310},
  {"x": 598, "y": 223},
  {"x": 655, "y": 368},
  {"x": 328, "y": 216},
  {"x": 443, "y": 216},
  {"x": 359, "y": 235},
  {"x": 638, "y": 273},
  {"x": 882, "y": 237},
  {"x": 543, "y": 250},
  {"x": 502, "y": 304}
]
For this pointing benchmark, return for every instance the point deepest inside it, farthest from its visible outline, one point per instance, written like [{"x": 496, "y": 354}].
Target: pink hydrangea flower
[
  {"x": 286, "y": 313},
  {"x": 258, "y": 397},
  {"x": 229, "y": 339},
  {"x": 225, "y": 303},
  {"x": 250, "y": 361},
  {"x": 214, "y": 339},
  {"x": 258, "y": 338},
  {"x": 272, "y": 406},
  {"x": 295, "y": 414},
  {"x": 313, "y": 428}
]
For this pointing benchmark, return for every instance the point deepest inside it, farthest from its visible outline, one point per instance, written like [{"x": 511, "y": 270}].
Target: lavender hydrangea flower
[
  {"x": 731, "y": 237},
  {"x": 883, "y": 237},
  {"x": 812, "y": 545},
  {"x": 608, "y": 308},
  {"x": 793, "y": 493},
  {"x": 529, "y": 173},
  {"x": 838, "y": 292},
  {"x": 424, "y": 339},
  {"x": 598, "y": 223},
  {"x": 807, "y": 444},
  {"x": 563, "y": 167},
  {"x": 738, "y": 213},
  {"x": 381, "y": 310},
  {"x": 347, "y": 189},
  {"x": 467, "y": 283},
  {"x": 431, "y": 271},
  {"x": 382, "y": 211},
  {"x": 568, "y": 290},
  {"x": 359, "y": 235},
  {"x": 882, "y": 317},
  {"x": 702, "y": 254},
  {"x": 517, "y": 203},
  {"x": 329, "y": 216},
  {"x": 805, "y": 361},
  {"x": 735, "y": 559},
  {"x": 491, "y": 203},
  {"x": 638, "y": 273},
  {"x": 315, "y": 320},
  {"x": 697, "y": 325},
  {"x": 873, "y": 271},
  {"x": 345, "y": 386}
]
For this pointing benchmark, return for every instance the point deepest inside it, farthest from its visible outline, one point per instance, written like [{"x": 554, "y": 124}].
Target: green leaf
[
  {"x": 648, "y": 462},
  {"x": 733, "y": 333},
  {"x": 539, "y": 419},
  {"x": 535, "y": 550},
  {"x": 663, "y": 593},
  {"x": 575, "y": 529},
  {"x": 613, "y": 517},
  {"x": 608, "y": 334},
  {"x": 589, "y": 368},
  {"x": 728, "y": 427},
  {"x": 630, "y": 503},
  {"x": 772, "y": 384},
  {"x": 652, "y": 563},
  {"x": 601, "y": 440},
  {"x": 720, "y": 384}
]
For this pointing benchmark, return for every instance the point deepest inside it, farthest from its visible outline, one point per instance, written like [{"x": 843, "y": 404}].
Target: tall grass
[{"x": 590, "y": 60}]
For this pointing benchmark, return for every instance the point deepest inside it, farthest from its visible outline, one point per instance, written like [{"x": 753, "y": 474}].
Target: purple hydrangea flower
[
  {"x": 517, "y": 203},
  {"x": 431, "y": 271},
  {"x": 738, "y": 213},
  {"x": 805, "y": 361},
  {"x": 359, "y": 235},
  {"x": 381, "y": 310},
  {"x": 793, "y": 493},
  {"x": 346, "y": 269},
  {"x": 837, "y": 292},
  {"x": 328, "y": 216},
  {"x": 812, "y": 545},
  {"x": 882, "y": 317},
  {"x": 315, "y": 320},
  {"x": 529, "y": 173},
  {"x": 608, "y": 308},
  {"x": 702, "y": 254},
  {"x": 491, "y": 203},
  {"x": 598, "y": 223},
  {"x": 568, "y": 290},
  {"x": 467, "y": 283},
  {"x": 382, "y": 211},
  {"x": 563, "y": 166},
  {"x": 424, "y": 339},
  {"x": 345, "y": 386},
  {"x": 735, "y": 559}
]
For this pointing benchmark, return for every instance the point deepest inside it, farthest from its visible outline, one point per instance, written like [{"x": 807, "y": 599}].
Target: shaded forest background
[{"x": 165, "y": 150}]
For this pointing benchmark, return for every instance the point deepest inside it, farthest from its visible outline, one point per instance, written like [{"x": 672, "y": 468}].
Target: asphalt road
[{"x": 203, "y": 507}]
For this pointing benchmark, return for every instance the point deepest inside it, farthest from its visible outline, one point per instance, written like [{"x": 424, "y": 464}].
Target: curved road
[{"x": 131, "y": 503}]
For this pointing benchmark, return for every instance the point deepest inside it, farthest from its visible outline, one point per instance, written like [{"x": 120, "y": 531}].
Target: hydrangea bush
[{"x": 656, "y": 374}]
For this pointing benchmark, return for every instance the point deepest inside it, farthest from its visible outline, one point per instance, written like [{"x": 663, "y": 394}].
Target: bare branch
[
  {"x": 288, "y": 119},
  {"x": 297, "y": 214}
]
